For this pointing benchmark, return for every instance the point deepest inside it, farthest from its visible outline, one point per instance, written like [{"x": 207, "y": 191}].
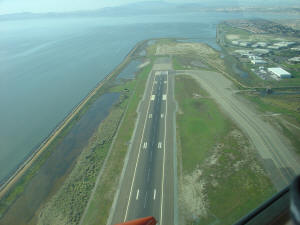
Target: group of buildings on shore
[{"x": 257, "y": 54}]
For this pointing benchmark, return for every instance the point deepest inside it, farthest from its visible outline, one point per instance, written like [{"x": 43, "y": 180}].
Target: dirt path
[{"x": 278, "y": 156}]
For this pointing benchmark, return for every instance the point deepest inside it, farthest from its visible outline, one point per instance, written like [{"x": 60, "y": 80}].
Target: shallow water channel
[
  {"x": 130, "y": 70},
  {"x": 60, "y": 162}
]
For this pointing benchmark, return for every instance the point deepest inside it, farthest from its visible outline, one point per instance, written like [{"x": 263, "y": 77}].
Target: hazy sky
[
  {"x": 37, "y": 6},
  {"x": 12, "y": 6}
]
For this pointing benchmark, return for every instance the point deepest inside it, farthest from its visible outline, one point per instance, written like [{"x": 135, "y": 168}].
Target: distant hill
[{"x": 152, "y": 8}]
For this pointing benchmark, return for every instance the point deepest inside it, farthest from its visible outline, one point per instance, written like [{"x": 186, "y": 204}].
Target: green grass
[
  {"x": 200, "y": 122},
  {"x": 230, "y": 191},
  {"x": 287, "y": 105},
  {"x": 99, "y": 209}
]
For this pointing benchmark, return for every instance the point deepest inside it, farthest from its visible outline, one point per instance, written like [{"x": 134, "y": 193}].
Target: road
[{"x": 147, "y": 186}]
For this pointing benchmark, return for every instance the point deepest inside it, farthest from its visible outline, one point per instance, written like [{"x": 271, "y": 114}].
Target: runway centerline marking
[
  {"x": 137, "y": 194},
  {"x": 164, "y": 97},
  {"x": 154, "y": 195},
  {"x": 137, "y": 160},
  {"x": 152, "y": 97},
  {"x": 159, "y": 145},
  {"x": 161, "y": 115},
  {"x": 150, "y": 115},
  {"x": 148, "y": 176},
  {"x": 145, "y": 200},
  {"x": 145, "y": 145},
  {"x": 164, "y": 156}
]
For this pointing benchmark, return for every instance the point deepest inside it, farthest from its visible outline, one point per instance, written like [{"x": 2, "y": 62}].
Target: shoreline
[{"x": 24, "y": 166}]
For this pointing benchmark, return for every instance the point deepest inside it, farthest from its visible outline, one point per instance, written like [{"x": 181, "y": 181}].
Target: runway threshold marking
[
  {"x": 137, "y": 160},
  {"x": 137, "y": 194},
  {"x": 164, "y": 156},
  {"x": 150, "y": 115}
]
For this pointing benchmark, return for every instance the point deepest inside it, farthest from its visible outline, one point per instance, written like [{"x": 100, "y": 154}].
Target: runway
[{"x": 147, "y": 186}]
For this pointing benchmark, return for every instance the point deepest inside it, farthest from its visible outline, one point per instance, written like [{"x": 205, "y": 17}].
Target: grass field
[
  {"x": 221, "y": 179},
  {"x": 204, "y": 126},
  {"x": 98, "y": 211}
]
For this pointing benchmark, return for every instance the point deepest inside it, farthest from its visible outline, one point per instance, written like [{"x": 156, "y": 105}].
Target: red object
[{"x": 150, "y": 220}]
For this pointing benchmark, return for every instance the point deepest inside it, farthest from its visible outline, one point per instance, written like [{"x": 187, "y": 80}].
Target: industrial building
[
  {"x": 294, "y": 60},
  {"x": 244, "y": 44},
  {"x": 279, "y": 72},
  {"x": 261, "y": 51},
  {"x": 258, "y": 61}
]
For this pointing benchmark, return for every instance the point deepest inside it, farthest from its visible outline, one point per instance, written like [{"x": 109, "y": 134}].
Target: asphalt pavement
[{"x": 147, "y": 187}]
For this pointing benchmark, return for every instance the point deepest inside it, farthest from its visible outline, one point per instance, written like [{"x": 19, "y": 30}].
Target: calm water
[
  {"x": 130, "y": 70},
  {"x": 47, "y": 66},
  {"x": 57, "y": 165}
]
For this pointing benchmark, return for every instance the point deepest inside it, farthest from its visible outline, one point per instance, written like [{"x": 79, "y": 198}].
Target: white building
[
  {"x": 276, "y": 47},
  {"x": 284, "y": 44},
  {"x": 241, "y": 51},
  {"x": 244, "y": 44},
  {"x": 258, "y": 61},
  {"x": 262, "y": 44},
  {"x": 295, "y": 60},
  {"x": 255, "y": 57},
  {"x": 296, "y": 49},
  {"x": 261, "y": 51},
  {"x": 279, "y": 72}
]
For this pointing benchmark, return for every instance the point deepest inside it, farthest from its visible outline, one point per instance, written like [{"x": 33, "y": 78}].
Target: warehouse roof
[{"x": 278, "y": 70}]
